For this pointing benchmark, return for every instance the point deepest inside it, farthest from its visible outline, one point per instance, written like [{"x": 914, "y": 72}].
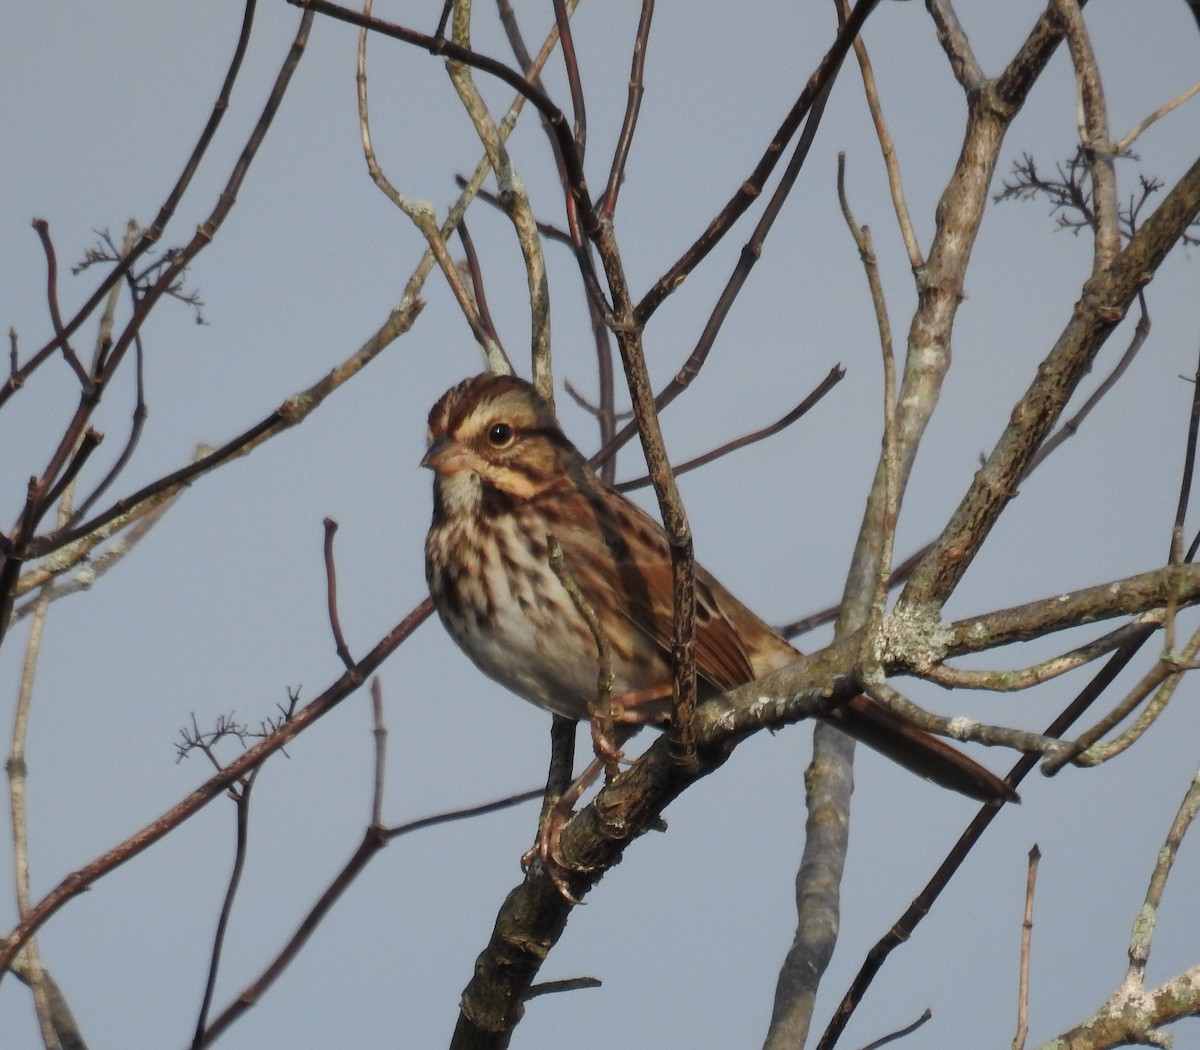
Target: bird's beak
[{"x": 446, "y": 456}]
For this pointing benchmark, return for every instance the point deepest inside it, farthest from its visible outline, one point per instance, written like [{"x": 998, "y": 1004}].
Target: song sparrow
[{"x": 506, "y": 479}]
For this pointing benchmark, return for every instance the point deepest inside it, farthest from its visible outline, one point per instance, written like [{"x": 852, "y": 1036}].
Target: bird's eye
[{"x": 500, "y": 435}]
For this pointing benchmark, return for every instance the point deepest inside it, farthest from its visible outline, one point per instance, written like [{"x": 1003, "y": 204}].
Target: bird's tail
[{"x": 919, "y": 752}]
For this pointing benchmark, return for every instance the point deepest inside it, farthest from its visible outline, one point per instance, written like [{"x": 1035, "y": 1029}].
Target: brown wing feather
[
  {"x": 615, "y": 546},
  {"x": 721, "y": 658}
]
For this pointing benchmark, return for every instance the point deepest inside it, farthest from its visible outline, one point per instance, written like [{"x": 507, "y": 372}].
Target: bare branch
[
  {"x": 1018, "y": 1042},
  {"x": 152, "y": 234},
  {"x": 1106, "y": 297},
  {"x": 79, "y": 881},
  {"x": 335, "y": 623},
  {"x": 1123, "y": 144},
  {"x": 834, "y": 376},
  {"x": 422, "y": 215},
  {"x": 1093, "y": 131},
  {"x": 886, "y": 147},
  {"x": 637, "y": 79},
  {"x": 818, "y": 84},
  {"x": 953, "y": 39}
]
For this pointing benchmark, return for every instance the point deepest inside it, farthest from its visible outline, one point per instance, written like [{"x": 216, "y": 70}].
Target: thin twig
[
  {"x": 1036, "y": 674},
  {"x": 572, "y": 984},
  {"x": 878, "y": 531},
  {"x": 479, "y": 295},
  {"x": 562, "y": 19},
  {"x": 103, "y": 346},
  {"x": 1128, "y": 139},
  {"x": 513, "y": 194},
  {"x": 60, "y": 337},
  {"x": 373, "y": 841},
  {"x": 241, "y": 799},
  {"x": 835, "y": 376},
  {"x": 960, "y": 727},
  {"x": 423, "y": 216},
  {"x": 1143, "y": 929},
  {"x": 900, "y": 1033},
  {"x": 750, "y": 188},
  {"x": 84, "y": 878},
  {"x": 335, "y": 624},
  {"x": 375, "y": 838},
  {"x": 1164, "y": 678},
  {"x": 903, "y": 928},
  {"x": 1018, "y": 1042},
  {"x": 1141, "y": 332},
  {"x": 546, "y": 229},
  {"x": 886, "y": 147},
  {"x": 750, "y": 254},
  {"x": 466, "y": 813},
  {"x": 633, "y": 105},
  {"x": 380, "y": 733},
  {"x": 134, "y": 524}
]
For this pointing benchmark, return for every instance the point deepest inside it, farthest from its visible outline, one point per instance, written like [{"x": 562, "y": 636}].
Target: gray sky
[{"x": 222, "y": 608}]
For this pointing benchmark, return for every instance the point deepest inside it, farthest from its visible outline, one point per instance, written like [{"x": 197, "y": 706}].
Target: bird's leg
[
  {"x": 546, "y": 848},
  {"x": 558, "y": 816},
  {"x": 631, "y": 709}
]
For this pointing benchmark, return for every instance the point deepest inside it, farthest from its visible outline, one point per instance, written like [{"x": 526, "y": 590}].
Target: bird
[{"x": 507, "y": 484}]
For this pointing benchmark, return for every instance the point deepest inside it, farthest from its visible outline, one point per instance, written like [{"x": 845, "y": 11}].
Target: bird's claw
[{"x": 546, "y": 851}]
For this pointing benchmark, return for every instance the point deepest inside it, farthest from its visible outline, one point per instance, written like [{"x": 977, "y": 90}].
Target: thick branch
[{"x": 1106, "y": 297}]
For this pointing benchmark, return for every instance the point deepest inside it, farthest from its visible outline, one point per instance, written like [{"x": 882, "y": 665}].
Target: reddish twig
[
  {"x": 152, "y": 234},
  {"x": 566, "y": 42},
  {"x": 749, "y": 191},
  {"x": 241, "y": 800},
  {"x": 60, "y": 337},
  {"x": 380, "y": 734},
  {"x": 372, "y": 842},
  {"x": 637, "y": 88},
  {"x": 481, "y": 303},
  {"x": 835, "y": 376},
  {"x": 335, "y": 623},
  {"x": 374, "y": 839},
  {"x": 463, "y": 814},
  {"x": 751, "y": 253},
  {"x": 900, "y": 1033},
  {"x": 79, "y": 881}
]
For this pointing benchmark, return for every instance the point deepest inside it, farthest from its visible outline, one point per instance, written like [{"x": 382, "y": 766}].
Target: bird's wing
[{"x": 622, "y": 563}]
